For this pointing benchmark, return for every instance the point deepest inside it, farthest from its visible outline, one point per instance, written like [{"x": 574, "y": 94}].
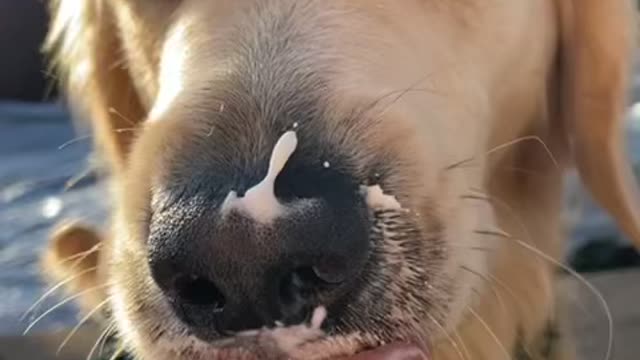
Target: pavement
[{"x": 621, "y": 289}]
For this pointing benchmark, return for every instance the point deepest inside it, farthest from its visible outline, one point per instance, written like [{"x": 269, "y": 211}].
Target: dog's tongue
[{"x": 396, "y": 351}]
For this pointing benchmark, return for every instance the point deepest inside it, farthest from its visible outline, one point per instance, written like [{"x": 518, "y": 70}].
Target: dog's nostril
[
  {"x": 329, "y": 275},
  {"x": 304, "y": 282},
  {"x": 195, "y": 290},
  {"x": 299, "y": 284}
]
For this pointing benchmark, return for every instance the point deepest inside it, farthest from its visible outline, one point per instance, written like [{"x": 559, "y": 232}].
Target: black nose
[{"x": 226, "y": 272}]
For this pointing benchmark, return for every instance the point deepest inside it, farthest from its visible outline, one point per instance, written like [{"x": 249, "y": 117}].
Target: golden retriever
[{"x": 315, "y": 179}]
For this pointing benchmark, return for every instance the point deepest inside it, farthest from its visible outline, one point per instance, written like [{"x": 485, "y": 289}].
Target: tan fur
[{"x": 470, "y": 76}]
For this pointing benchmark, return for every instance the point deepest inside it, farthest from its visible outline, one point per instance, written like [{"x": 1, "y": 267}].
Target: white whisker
[
  {"x": 75, "y": 179},
  {"x": 79, "y": 257},
  {"x": 111, "y": 328},
  {"x": 491, "y": 333},
  {"x": 60, "y": 304},
  {"x": 53, "y": 289},
  {"x": 103, "y": 336},
  {"x": 113, "y": 111},
  {"x": 74, "y": 140},
  {"x": 80, "y": 323},
  {"x": 453, "y": 343}
]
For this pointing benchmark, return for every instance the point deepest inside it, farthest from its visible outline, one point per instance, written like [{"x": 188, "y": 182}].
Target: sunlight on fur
[{"x": 427, "y": 142}]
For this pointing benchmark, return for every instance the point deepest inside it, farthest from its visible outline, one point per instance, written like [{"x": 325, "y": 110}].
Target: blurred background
[{"x": 44, "y": 179}]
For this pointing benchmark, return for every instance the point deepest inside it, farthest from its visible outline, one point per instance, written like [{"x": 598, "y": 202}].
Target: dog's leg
[
  {"x": 73, "y": 261},
  {"x": 554, "y": 342}
]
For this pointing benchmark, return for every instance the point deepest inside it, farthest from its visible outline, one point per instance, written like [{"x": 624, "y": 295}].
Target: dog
[{"x": 316, "y": 179}]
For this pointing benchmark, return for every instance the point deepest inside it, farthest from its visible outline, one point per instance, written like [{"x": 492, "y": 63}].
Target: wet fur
[{"x": 111, "y": 57}]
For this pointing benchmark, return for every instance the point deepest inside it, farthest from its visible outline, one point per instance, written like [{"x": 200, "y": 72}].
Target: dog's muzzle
[{"x": 263, "y": 254}]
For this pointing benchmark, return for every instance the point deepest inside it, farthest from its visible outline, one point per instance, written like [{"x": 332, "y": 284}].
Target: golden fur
[{"x": 482, "y": 104}]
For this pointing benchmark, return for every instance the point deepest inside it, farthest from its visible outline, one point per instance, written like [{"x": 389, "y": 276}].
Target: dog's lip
[{"x": 394, "y": 351}]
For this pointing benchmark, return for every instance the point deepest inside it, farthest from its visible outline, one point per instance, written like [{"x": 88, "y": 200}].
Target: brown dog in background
[{"x": 467, "y": 112}]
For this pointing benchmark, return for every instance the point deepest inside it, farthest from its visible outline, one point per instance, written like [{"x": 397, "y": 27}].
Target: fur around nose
[{"x": 223, "y": 271}]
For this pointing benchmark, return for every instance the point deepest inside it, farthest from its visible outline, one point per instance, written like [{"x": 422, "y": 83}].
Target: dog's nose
[
  {"x": 242, "y": 275},
  {"x": 240, "y": 264}
]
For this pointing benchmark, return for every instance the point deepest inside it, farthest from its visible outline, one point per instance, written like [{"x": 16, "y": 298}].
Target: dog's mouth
[
  {"x": 329, "y": 351},
  {"x": 299, "y": 342},
  {"x": 309, "y": 341}
]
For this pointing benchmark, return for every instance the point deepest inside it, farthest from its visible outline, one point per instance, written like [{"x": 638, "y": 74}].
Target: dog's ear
[
  {"x": 87, "y": 56},
  {"x": 597, "y": 44}
]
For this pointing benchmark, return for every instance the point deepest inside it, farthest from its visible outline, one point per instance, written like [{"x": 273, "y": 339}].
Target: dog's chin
[
  {"x": 293, "y": 342},
  {"x": 262, "y": 347},
  {"x": 354, "y": 347}
]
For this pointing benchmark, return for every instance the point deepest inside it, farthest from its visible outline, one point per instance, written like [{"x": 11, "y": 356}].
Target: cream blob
[
  {"x": 260, "y": 202},
  {"x": 378, "y": 200},
  {"x": 288, "y": 339}
]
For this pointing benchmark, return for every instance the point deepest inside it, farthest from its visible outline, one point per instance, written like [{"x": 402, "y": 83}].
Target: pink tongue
[{"x": 396, "y": 351}]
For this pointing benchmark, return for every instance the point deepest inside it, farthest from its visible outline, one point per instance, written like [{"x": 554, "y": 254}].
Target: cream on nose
[{"x": 259, "y": 202}]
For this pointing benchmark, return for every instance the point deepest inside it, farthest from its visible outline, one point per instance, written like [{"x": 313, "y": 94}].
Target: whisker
[
  {"x": 399, "y": 94},
  {"x": 60, "y": 304},
  {"x": 455, "y": 344},
  {"x": 528, "y": 138},
  {"x": 467, "y": 247},
  {"x": 119, "y": 62},
  {"x": 494, "y": 232},
  {"x": 459, "y": 164},
  {"x": 491, "y": 333},
  {"x": 473, "y": 248},
  {"x": 101, "y": 338},
  {"x": 573, "y": 273},
  {"x": 80, "y": 255},
  {"x": 480, "y": 195},
  {"x": 75, "y": 179},
  {"x": 53, "y": 289},
  {"x": 476, "y": 197},
  {"x": 464, "y": 346},
  {"x": 504, "y": 309},
  {"x": 117, "y": 353},
  {"x": 74, "y": 140},
  {"x": 80, "y": 323},
  {"x": 491, "y": 288},
  {"x": 506, "y": 288},
  {"x": 113, "y": 111},
  {"x": 500, "y": 233},
  {"x": 516, "y": 141},
  {"x": 111, "y": 329},
  {"x": 89, "y": 136}
]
